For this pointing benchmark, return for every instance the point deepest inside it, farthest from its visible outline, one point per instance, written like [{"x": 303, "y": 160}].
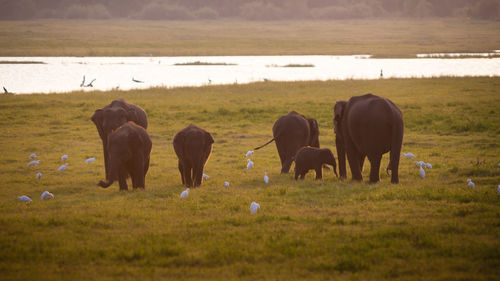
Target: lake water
[{"x": 64, "y": 74}]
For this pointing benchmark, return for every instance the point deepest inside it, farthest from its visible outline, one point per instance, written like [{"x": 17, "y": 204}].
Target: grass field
[
  {"x": 435, "y": 228},
  {"x": 381, "y": 38}
]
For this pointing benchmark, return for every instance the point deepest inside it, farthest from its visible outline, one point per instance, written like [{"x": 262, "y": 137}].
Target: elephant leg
[
  {"x": 188, "y": 179},
  {"x": 319, "y": 172},
  {"x": 353, "y": 156},
  {"x": 122, "y": 178},
  {"x": 107, "y": 170},
  {"x": 296, "y": 174},
  {"x": 286, "y": 166},
  {"x": 303, "y": 175},
  {"x": 181, "y": 170},
  {"x": 137, "y": 175},
  {"x": 197, "y": 174},
  {"x": 375, "y": 168},
  {"x": 362, "y": 162}
]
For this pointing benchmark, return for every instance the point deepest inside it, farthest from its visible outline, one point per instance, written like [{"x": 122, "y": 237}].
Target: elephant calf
[
  {"x": 193, "y": 147},
  {"x": 308, "y": 158},
  {"x": 129, "y": 148}
]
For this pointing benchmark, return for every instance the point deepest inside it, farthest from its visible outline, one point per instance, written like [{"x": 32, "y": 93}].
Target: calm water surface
[{"x": 64, "y": 74}]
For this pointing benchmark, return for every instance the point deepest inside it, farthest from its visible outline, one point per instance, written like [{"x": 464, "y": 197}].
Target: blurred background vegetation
[{"x": 247, "y": 9}]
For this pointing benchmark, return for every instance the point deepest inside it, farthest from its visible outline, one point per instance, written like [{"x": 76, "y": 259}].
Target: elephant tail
[
  {"x": 259, "y": 147},
  {"x": 105, "y": 184}
]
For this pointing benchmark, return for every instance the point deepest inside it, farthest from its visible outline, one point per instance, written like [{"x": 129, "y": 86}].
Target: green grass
[
  {"x": 381, "y": 38},
  {"x": 435, "y": 228}
]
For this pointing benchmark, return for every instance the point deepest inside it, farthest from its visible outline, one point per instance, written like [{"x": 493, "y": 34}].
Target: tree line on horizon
[{"x": 254, "y": 10}]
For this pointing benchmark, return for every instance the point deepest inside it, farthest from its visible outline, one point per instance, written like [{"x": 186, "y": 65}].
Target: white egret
[
  {"x": 470, "y": 183},
  {"x": 422, "y": 172},
  {"x": 226, "y": 184},
  {"x": 254, "y": 207},
  {"x": 25, "y": 198},
  {"x": 33, "y": 163},
  {"x": 33, "y": 156},
  {"x": 420, "y": 163},
  {"x": 63, "y": 167},
  {"x": 47, "y": 195},
  {"x": 38, "y": 176},
  {"x": 249, "y": 153},
  {"x": 249, "y": 164},
  {"x": 266, "y": 178},
  {"x": 185, "y": 193},
  {"x": 64, "y": 157},
  {"x": 428, "y": 165},
  {"x": 90, "y": 160},
  {"x": 409, "y": 155},
  {"x": 205, "y": 177}
]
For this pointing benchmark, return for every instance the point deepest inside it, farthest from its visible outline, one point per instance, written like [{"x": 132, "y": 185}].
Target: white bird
[
  {"x": 185, "y": 193},
  {"x": 63, "y": 167},
  {"x": 38, "y": 176},
  {"x": 254, "y": 207},
  {"x": 249, "y": 164},
  {"x": 64, "y": 157},
  {"x": 226, "y": 184},
  {"x": 266, "y": 178},
  {"x": 25, "y": 198},
  {"x": 422, "y": 172},
  {"x": 205, "y": 176},
  {"x": 33, "y": 156},
  {"x": 33, "y": 163},
  {"x": 428, "y": 165},
  {"x": 409, "y": 155},
  {"x": 47, "y": 195},
  {"x": 470, "y": 183},
  {"x": 420, "y": 163},
  {"x": 249, "y": 153},
  {"x": 90, "y": 160}
]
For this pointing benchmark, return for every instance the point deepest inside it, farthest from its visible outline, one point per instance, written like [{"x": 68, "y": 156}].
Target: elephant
[
  {"x": 291, "y": 132},
  {"x": 112, "y": 116},
  {"x": 368, "y": 126},
  {"x": 193, "y": 147},
  {"x": 308, "y": 158},
  {"x": 129, "y": 148}
]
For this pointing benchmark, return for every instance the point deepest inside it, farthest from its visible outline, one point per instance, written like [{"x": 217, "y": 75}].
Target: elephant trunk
[
  {"x": 342, "y": 155},
  {"x": 105, "y": 184}
]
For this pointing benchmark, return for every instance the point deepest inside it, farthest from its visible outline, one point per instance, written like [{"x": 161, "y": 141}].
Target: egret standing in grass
[
  {"x": 38, "y": 175},
  {"x": 63, "y": 167},
  {"x": 25, "y": 198},
  {"x": 422, "y": 172},
  {"x": 47, "y": 195},
  {"x": 249, "y": 164},
  {"x": 409, "y": 155},
  {"x": 254, "y": 207},
  {"x": 90, "y": 160},
  {"x": 185, "y": 193},
  {"x": 33, "y": 156},
  {"x": 205, "y": 177},
  {"x": 470, "y": 183},
  {"x": 266, "y": 178},
  {"x": 64, "y": 157},
  {"x": 226, "y": 184},
  {"x": 33, "y": 163},
  {"x": 249, "y": 153}
]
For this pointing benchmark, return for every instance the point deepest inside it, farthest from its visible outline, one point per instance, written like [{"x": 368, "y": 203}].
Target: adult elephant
[
  {"x": 291, "y": 132},
  {"x": 129, "y": 148},
  {"x": 112, "y": 116},
  {"x": 193, "y": 147},
  {"x": 368, "y": 126}
]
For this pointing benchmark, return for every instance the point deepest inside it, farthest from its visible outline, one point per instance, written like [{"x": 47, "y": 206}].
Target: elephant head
[
  {"x": 326, "y": 157},
  {"x": 338, "y": 113},
  {"x": 313, "y": 132}
]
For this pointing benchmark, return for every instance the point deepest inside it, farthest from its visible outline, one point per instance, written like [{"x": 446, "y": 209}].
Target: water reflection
[{"x": 64, "y": 74}]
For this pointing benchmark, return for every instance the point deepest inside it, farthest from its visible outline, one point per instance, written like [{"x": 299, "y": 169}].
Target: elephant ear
[
  {"x": 338, "y": 111},
  {"x": 98, "y": 119},
  {"x": 314, "y": 132},
  {"x": 209, "y": 138},
  {"x": 132, "y": 115}
]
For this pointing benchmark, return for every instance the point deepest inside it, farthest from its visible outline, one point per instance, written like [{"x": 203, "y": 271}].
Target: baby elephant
[
  {"x": 308, "y": 158},
  {"x": 128, "y": 150},
  {"x": 193, "y": 147}
]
